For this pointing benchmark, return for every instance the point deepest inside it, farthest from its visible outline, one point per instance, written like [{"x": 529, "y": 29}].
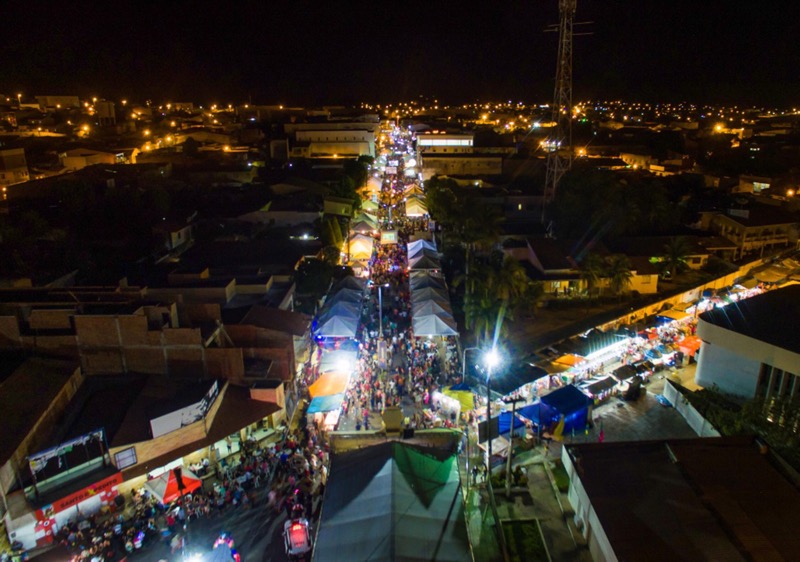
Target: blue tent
[
  {"x": 530, "y": 412},
  {"x": 569, "y": 402},
  {"x": 461, "y": 386},
  {"x": 324, "y": 404},
  {"x": 505, "y": 423}
]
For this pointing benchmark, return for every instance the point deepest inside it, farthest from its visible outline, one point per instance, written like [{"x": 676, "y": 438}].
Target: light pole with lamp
[
  {"x": 492, "y": 359},
  {"x": 464, "y": 362}
]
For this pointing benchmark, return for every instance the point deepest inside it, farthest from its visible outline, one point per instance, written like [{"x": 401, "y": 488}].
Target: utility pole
[
  {"x": 511, "y": 443},
  {"x": 559, "y": 144}
]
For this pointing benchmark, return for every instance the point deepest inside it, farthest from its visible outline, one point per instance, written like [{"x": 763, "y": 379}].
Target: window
[{"x": 125, "y": 458}]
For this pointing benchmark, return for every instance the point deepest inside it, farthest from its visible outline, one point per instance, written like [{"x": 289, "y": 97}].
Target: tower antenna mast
[{"x": 559, "y": 144}]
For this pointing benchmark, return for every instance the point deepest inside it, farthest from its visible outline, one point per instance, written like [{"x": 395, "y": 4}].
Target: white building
[{"x": 752, "y": 349}]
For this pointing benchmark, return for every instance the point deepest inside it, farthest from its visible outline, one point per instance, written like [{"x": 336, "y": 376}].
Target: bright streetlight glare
[{"x": 492, "y": 358}]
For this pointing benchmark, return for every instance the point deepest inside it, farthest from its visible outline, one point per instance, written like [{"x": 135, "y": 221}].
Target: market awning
[
  {"x": 598, "y": 386},
  {"x": 322, "y": 404},
  {"x": 504, "y": 422},
  {"x": 672, "y": 315},
  {"x": 165, "y": 488},
  {"x": 530, "y": 412},
  {"x": 570, "y": 360},
  {"x": 332, "y": 382}
]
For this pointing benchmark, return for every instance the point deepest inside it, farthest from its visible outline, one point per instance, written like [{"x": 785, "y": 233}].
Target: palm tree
[
  {"x": 591, "y": 270},
  {"x": 619, "y": 273},
  {"x": 675, "y": 257}
]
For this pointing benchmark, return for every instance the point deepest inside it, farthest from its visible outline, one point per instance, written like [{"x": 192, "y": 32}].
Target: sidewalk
[{"x": 539, "y": 501}]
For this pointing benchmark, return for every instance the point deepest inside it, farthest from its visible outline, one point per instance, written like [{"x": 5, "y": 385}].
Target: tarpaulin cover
[
  {"x": 530, "y": 412},
  {"x": 690, "y": 344},
  {"x": 570, "y": 360},
  {"x": 463, "y": 395},
  {"x": 393, "y": 501},
  {"x": 322, "y": 404},
  {"x": 566, "y": 399},
  {"x": 504, "y": 422},
  {"x": 332, "y": 382},
  {"x": 165, "y": 487}
]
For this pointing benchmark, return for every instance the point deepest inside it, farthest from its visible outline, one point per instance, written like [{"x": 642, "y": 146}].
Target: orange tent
[
  {"x": 689, "y": 345},
  {"x": 332, "y": 382},
  {"x": 570, "y": 360}
]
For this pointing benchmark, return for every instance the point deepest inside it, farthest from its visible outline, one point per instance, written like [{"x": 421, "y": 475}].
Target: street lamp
[
  {"x": 491, "y": 359},
  {"x": 464, "y": 362},
  {"x": 380, "y": 307}
]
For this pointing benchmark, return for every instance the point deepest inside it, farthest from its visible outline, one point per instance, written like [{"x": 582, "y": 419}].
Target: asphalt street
[{"x": 257, "y": 532}]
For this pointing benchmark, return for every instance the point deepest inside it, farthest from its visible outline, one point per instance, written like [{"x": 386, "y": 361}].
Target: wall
[
  {"x": 585, "y": 516},
  {"x": 695, "y": 419},
  {"x": 731, "y": 372}
]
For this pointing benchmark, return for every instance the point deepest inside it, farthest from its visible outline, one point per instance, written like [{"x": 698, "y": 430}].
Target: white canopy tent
[
  {"x": 338, "y": 327},
  {"x": 414, "y": 246},
  {"x": 429, "y": 294},
  {"x": 424, "y": 262},
  {"x": 361, "y": 247},
  {"x": 341, "y": 309},
  {"x": 423, "y": 308},
  {"x": 345, "y": 295},
  {"x": 421, "y": 280},
  {"x": 434, "y": 325},
  {"x": 416, "y": 208}
]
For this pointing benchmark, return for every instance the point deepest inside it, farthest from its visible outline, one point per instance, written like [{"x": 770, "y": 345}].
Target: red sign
[{"x": 105, "y": 488}]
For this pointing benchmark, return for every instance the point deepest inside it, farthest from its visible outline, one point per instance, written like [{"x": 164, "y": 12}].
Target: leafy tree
[
  {"x": 330, "y": 255},
  {"x": 675, "y": 258},
  {"x": 619, "y": 273},
  {"x": 592, "y": 268}
]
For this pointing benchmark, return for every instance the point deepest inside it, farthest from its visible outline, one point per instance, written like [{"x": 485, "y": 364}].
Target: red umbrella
[{"x": 165, "y": 488}]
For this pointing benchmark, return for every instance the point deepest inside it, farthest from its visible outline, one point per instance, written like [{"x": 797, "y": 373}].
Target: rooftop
[
  {"x": 680, "y": 499},
  {"x": 26, "y": 394},
  {"x": 764, "y": 317}
]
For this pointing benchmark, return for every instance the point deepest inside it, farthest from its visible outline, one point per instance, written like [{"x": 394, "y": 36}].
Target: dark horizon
[{"x": 301, "y": 53}]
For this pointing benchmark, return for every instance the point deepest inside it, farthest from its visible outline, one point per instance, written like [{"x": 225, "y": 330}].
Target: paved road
[{"x": 257, "y": 532}]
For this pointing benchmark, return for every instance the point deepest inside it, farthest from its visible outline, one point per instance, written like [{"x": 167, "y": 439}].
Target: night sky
[{"x": 301, "y": 52}]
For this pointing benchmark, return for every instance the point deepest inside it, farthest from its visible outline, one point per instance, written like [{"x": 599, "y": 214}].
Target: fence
[{"x": 695, "y": 419}]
